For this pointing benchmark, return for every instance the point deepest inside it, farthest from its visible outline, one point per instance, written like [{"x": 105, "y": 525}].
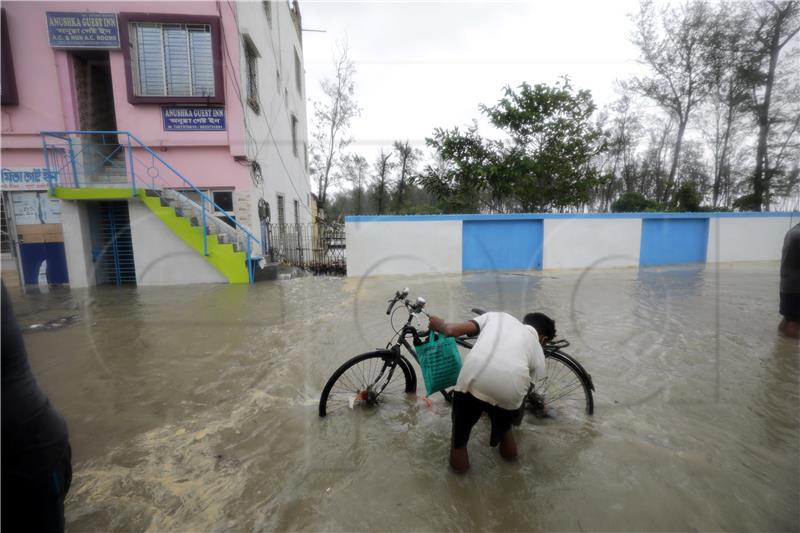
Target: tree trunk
[
  {"x": 723, "y": 156},
  {"x": 381, "y": 194},
  {"x": 760, "y": 182},
  {"x": 675, "y": 157}
]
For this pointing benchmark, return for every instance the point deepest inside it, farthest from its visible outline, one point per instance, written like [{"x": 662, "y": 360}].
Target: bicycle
[{"x": 372, "y": 378}]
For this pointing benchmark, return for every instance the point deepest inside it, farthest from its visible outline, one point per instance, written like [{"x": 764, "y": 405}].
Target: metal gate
[{"x": 112, "y": 248}]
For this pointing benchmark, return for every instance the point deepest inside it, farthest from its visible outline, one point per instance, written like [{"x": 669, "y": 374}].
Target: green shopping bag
[{"x": 440, "y": 362}]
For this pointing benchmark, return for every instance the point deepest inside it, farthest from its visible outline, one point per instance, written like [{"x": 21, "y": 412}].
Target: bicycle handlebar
[{"x": 399, "y": 295}]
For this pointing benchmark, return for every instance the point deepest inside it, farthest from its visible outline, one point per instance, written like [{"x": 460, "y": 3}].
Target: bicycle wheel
[
  {"x": 367, "y": 380},
  {"x": 565, "y": 393}
]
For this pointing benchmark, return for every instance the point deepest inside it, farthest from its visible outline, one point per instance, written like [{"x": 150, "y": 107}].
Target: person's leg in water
[
  {"x": 508, "y": 446},
  {"x": 790, "y": 328},
  {"x": 790, "y": 309},
  {"x": 502, "y": 420},
  {"x": 466, "y": 412}
]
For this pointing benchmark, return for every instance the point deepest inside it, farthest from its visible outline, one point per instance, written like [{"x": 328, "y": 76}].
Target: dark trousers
[{"x": 36, "y": 504}]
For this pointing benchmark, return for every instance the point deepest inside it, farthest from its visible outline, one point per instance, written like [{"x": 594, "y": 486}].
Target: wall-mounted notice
[
  {"x": 35, "y": 208},
  {"x": 193, "y": 118},
  {"x": 82, "y": 30}
]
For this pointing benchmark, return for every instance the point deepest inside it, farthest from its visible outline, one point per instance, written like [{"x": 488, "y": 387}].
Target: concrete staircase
[{"x": 227, "y": 257}]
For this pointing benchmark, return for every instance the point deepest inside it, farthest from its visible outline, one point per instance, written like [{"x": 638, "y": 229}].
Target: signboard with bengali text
[
  {"x": 193, "y": 118},
  {"x": 82, "y": 30},
  {"x": 27, "y": 179}
]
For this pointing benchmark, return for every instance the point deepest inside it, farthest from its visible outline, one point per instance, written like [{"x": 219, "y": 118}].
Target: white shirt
[{"x": 504, "y": 360}]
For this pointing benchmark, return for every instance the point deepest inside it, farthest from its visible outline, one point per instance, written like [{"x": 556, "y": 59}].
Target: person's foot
[
  {"x": 459, "y": 459},
  {"x": 508, "y": 446}
]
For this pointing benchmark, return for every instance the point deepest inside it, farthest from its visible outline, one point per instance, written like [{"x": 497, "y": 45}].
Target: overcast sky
[{"x": 427, "y": 64}]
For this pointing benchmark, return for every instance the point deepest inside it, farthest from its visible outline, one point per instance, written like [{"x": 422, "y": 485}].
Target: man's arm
[{"x": 469, "y": 328}]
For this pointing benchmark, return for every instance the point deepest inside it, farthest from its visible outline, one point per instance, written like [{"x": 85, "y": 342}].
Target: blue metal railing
[{"x": 109, "y": 159}]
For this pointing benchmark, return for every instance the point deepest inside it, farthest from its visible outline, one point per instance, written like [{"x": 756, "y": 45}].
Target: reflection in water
[{"x": 194, "y": 408}]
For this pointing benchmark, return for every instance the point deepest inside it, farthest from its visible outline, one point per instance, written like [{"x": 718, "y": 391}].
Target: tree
[
  {"x": 653, "y": 170},
  {"x": 776, "y": 23},
  {"x": 457, "y": 175},
  {"x": 627, "y": 129},
  {"x": 674, "y": 44},
  {"x": 332, "y": 117},
  {"x": 544, "y": 162},
  {"x": 356, "y": 167},
  {"x": 383, "y": 168},
  {"x": 728, "y": 91},
  {"x": 407, "y": 161}
]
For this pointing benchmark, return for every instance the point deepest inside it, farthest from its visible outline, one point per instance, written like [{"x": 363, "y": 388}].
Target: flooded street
[{"x": 195, "y": 408}]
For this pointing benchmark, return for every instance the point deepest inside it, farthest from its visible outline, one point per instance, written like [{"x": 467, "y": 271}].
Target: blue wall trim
[
  {"x": 540, "y": 216},
  {"x": 502, "y": 244},
  {"x": 673, "y": 241}
]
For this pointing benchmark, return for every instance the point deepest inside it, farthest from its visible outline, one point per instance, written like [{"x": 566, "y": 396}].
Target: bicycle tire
[
  {"x": 566, "y": 392},
  {"x": 378, "y": 377}
]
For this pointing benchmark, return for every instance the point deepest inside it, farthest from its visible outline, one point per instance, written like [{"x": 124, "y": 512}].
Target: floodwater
[{"x": 195, "y": 408}]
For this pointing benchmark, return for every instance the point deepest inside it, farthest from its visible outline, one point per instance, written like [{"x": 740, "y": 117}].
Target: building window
[
  {"x": 298, "y": 73},
  {"x": 294, "y": 135},
  {"x": 8, "y": 82},
  {"x": 223, "y": 199},
  {"x": 281, "y": 215},
  {"x": 172, "y": 58},
  {"x": 268, "y": 11},
  {"x": 296, "y": 212},
  {"x": 251, "y": 66},
  {"x": 305, "y": 154}
]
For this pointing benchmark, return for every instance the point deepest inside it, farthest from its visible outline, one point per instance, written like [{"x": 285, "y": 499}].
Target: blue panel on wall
[
  {"x": 34, "y": 254},
  {"x": 502, "y": 244},
  {"x": 673, "y": 241}
]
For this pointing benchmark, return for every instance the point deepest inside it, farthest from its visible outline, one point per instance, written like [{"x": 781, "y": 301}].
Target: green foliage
[
  {"x": 421, "y": 209},
  {"x": 633, "y": 202},
  {"x": 543, "y": 163},
  {"x": 687, "y": 198},
  {"x": 747, "y": 202}
]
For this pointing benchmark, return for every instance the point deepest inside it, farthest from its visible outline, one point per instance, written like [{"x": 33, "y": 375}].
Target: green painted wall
[{"x": 92, "y": 193}]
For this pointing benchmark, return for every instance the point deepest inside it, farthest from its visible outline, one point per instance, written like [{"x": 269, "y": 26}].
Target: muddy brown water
[{"x": 195, "y": 408}]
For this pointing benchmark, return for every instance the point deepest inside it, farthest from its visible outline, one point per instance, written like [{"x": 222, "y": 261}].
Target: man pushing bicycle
[{"x": 495, "y": 376}]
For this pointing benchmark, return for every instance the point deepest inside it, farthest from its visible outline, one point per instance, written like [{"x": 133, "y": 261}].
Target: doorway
[
  {"x": 112, "y": 247},
  {"x": 100, "y": 158}
]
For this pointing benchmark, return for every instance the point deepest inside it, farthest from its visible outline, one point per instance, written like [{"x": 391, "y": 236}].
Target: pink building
[{"x": 204, "y": 121}]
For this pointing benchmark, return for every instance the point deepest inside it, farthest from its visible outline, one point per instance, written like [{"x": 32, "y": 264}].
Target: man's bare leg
[
  {"x": 790, "y": 328},
  {"x": 508, "y": 446},
  {"x": 459, "y": 459}
]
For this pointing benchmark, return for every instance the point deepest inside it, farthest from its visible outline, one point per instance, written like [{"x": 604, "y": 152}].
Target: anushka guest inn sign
[
  {"x": 193, "y": 118},
  {"x": 82, "y": 30}
]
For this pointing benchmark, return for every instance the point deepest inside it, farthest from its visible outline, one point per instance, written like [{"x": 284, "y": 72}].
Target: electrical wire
[{"x": 266, "y": 122}]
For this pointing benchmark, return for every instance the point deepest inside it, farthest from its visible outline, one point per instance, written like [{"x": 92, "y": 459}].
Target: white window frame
[
  {"x": 135, "y": 64},
  {"x": 251, "y": 56}
]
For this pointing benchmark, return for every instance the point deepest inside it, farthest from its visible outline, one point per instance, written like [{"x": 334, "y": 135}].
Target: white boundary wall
[
  {"x": 396, "y": 245},
  {"x": 747, "y": 239},
  {"x": 413, "y": 247},
  {"x": 580, "y": 242}
]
